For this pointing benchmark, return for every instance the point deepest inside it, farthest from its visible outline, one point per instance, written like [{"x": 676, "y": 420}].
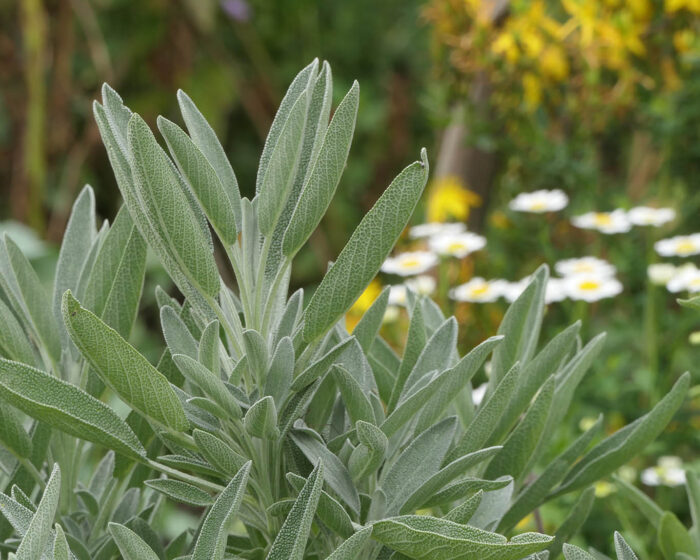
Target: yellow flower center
[
  {"x": 589, "y": 285},
  {"x": 603, "y": 219},
  {"x": 456, "y": 246},
  {"x": 539, "y": 205},
  {"x": 480, "y": 290},
  {"x": 685, "y": 246},
  {"x": 410, "y": 263}
]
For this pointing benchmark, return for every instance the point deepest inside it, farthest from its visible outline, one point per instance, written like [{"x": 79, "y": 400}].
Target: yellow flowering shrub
[{"x": 449, "y": 199}]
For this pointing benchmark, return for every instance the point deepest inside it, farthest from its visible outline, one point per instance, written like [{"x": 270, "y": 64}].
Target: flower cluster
[{"x": 667, "y": 472}]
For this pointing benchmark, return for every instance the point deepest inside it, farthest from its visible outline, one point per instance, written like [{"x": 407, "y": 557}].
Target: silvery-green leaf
[
  {"x": 17, "y": 515},
  {"x": 325, "y": 175},
  {"x": 17, "y": 494},
  {"x": 329, "y": 510},
  {"x": 357, "y": 404},
  {"x": 297, "y": 406},
  {"x": 211, "y": 542},
  {"x": 436, "y": 354},
  {"x": 296, "y": 88},
  {"x": 282, "y": 166},
  {"x": 202, "y": 179},
  {"x": 622, "y": 549},
  {"x": 487, "y": 417},
  {"x": 209, "y": 383},
  {"x": 409, "y": 407},
  {"x": 256, "y": 352},
  {"x": 187, "y": 463},
  {"x": 278, "y": 380},
  {"x": 417, "y": 463},
  {"x": 122, "y": 367},
  {"x": 521, "y": 443},
  {"x": 114, "y": 285},
  {"x": 353, "y": 547},
  {"x": 617, "y": 449},
  {"x": 14, "y": 343},
  {"x": 336, "y": 474},
  {"x": 572, "y": 552},
  {"x": 177, "y": 336},
  {"x": 369, "y": 455},
  {"x": 168, "y": 208},
  {"x": 205, "y": 139},
  {"x": 690, "y": 303},
  {"x": 180, "y": 491},
  {"x": 521, "y": 327},
  {"x": 12, "y": 433},
  {"x": 130, "y": 544},
  {"x": 428, "y": 538},
  {"x": 692, "y": 487},
  {"x": 77, "y": 240},
  {"x": 574, "y": 521},
  {"x": 66, "y": 407},
  {"x": 446, "y": 475},
  {"x": 533, "y": 495},
  {"x": 464, "y": 512},
  {"x": 466, "y": 487},
  {"x": 61, "y": 551},
  {"x": 642, "y": 503},
  {"x": 261, "y": 419},
  {"x": 534, "y": 374},
  {"x": 458, "y": 379},
  {"x": 208, "y": 348},
  {"x": 364, "y": 253},
  {"x": 673, "y": 538},
  {"x": 29, "y": 296},
  {"x": 494, "y": 505},
  {"x": 208, "y": 405},
  {"x": 292, "y": 538},
  {"x": 367, "y": 328},
  {"x": 320, "y": 366},
  {"x": 290, "y": 317},
  {"x": 38, "y": 535},
  {"x": 218, "y": 453}
]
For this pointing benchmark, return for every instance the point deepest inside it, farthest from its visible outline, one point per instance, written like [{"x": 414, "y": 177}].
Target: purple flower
[{"x": 238, "y": 10}]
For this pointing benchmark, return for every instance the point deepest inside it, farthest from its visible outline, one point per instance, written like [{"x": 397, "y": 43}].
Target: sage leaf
[
  {"x": 122, "y": 367},
  {"x": 211, "y": 542},
  {"x": 61, "y": 551},
  {"x": 428, "y": 538},
  {"x": 218, "y": 453},
  {"x": 130, "y": 544},
  {"x": 368, "y": 327},
  {"x": 369, "y": 455},
  {"x": 356, "y": 402},
  {"x": 212, "y": 385},
  {"x": 364, "y": 253},
  {"x": 180, "y": 491},
  {"x": 329, "y": 510},
  {"x": 573, "y": 522},
  {"x": 261, "y": 419},
  {"x": 291, "y": 540},
  {"x": 673, "y": 538},
  {"x": 318, "y": 191},
  {"x": 66, "y": 407},
  {"x": 14, "y": 343},
  {"x": 36, "y": 539},
  {"x": 353, "y": 547},
  {"x": 622, "y": 549},
  {"x": 177, "y": 336},
  {"x": 12, "y": 432}
]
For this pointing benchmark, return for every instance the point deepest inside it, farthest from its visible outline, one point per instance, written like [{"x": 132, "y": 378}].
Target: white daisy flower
[
  {"x": 436, "y": 228},
  {"x": 646, "y": 216},
  {"x": 512, "y": 290},
  {"x": 555, "y": 290},
  {"x": 605, "y": 222},
  {"x": 661, "y": 273},
  {"x": 410, "y": 263},
  {"x": 457, "y": 245},
  {"x": 540, "y": 201},
  {"x": 423, "y": 285},
  {"x": 667, "y": 472},
  {"x": 479, "y": 393},
  {"x": 397, "y": 294},
  {"x": 391, "y": 314},
  {"x": 679, "y": 246},
  {"x": 479, "y": 290},
  {"x": 590, "y": 287},
  {"x": 686, "y": 279},
  {"x": 584, "y": 265}
]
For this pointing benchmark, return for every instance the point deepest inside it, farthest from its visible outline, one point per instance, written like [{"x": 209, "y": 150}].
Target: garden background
[{"x": 597, "y": 98}]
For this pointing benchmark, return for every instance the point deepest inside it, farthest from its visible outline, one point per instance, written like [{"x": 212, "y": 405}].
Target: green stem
[{"x": 205, "y": 484}]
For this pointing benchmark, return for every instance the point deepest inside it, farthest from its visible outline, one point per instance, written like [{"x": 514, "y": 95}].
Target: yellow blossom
[
  {"x": 448, "y": 199},
  {"x": 553, "y": 63},
  {"x": 532, "y": 90},
  {"x": 683, "y": 40},
  {"x": 362, "y": 304},
  {"x": 603, "y": 488},
  {"x": 505, "y": 45}
]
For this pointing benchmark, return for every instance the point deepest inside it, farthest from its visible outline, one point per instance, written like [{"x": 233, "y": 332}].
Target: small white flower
[
  {"x": 679, "y": 246},
  {"x": 410, "y": 263},
  {"x": 457, "y": 245},
  {"x": 605, "y": 222},
  {"x": 668, "y": 472},
  {"x": 645, "y": 216},
  {"x": 512, "y": 290},
  {"x": 686, "y": 279},
  {"x": 540, "y": 201},
  {"x": 436, "y": 228},
  {"x": 423, "y": 285},
  {"x": 479, "y": 290},
  {"x": 555, "y": 290},
  {"x": 479, "y": 393},
  {"x": 584, "y": 265},
  {"x": 589, "y": 287},
  {"x": 397, "y": 294},
  {"x": 661, "y": 273}
]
